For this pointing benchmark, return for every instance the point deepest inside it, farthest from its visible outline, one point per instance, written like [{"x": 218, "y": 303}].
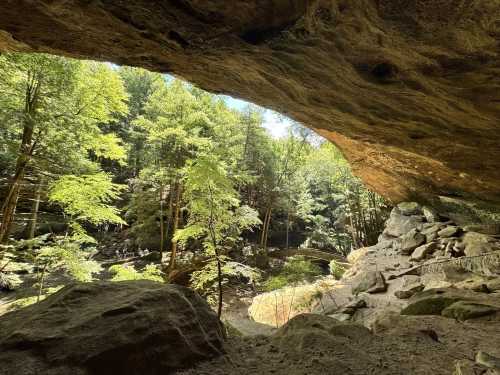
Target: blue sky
[{"x": 275, "y": 124}]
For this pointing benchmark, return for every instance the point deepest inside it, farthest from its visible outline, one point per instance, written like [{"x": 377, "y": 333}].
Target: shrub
[
  {"x": 336, "y": 269},
  {"x": 295, "y": 270},
  {"x": 123, "y": 273}
]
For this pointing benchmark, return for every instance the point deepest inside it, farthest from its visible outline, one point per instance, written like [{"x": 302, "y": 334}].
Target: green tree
[
  {"x": 215, "y": 214},
  {"x": 54, "y": 105}
]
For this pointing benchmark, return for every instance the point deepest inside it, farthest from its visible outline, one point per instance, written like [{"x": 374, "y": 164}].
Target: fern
[{"x": 124, "y": 273}]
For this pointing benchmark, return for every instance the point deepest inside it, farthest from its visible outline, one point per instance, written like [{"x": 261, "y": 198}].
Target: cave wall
[{"x": 408, "y": 89}]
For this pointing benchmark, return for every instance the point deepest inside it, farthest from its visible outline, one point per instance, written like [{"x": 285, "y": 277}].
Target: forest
[{"x": 110, "y": 172}]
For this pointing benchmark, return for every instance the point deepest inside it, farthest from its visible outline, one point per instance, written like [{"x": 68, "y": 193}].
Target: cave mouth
[
  {"x": 376, "y": 78},
  {"x": 407, "y": 91}
]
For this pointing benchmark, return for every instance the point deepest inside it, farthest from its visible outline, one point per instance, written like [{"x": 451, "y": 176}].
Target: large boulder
[
  {"x": 130, "y": 327},
  {"x": 399, "y": 224}
]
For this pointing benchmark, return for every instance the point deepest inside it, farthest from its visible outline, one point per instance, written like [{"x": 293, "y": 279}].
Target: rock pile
[{"x": 418, "y": 252}]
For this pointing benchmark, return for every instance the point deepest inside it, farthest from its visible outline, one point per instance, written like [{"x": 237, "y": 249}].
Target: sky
[{"x": 275, "y": 124}]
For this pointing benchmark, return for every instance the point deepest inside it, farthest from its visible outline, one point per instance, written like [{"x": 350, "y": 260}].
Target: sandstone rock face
[
  {"x": 407, "y": 89},
  {"x": 133, "y": 327}
]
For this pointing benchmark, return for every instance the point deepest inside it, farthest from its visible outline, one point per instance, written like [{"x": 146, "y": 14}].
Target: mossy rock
[{"x": 464, "y": 310}]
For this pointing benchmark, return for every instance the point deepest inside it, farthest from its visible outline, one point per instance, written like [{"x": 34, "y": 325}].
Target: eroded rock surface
[
  {"x": 409, "y": 90},
  {"x": 131, "y": 327}
]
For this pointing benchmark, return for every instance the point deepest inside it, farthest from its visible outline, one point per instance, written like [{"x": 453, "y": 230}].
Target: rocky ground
[{"x": 424, "y": 300}]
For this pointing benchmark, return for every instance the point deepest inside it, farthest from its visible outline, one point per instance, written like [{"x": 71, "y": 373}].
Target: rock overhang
[{"x": 410, "y": 91}]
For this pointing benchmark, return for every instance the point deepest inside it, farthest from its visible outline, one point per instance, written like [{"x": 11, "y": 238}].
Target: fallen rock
[
  {"x": 411, "y": 285},
  {"x": 421, "y": 252},
  {"x": 351, "y": 307},
  {"x": 129, "y": 327},
  {"x": 409, "y": 208},
  {"x": 399, "y": 224},
  {"x": 464, "y": 310},
  {"x": 411, "y": 241},
  {"x": 431, "y": 232},
  {"x": 434, "y": 301},
  {"x": 370, "y": 282},
  {"x": 448, "y": 231},
  {"x": 430, "y": 214},
  {"x": 304, "y": 325},
  {"x": 431, "y": 302}
]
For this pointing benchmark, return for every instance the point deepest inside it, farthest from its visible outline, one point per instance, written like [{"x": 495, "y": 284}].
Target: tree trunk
[
  {"x": 10, "y": 203},
  {"x": 173, "y": 253},
  {"x": 34, "y": 209},
  {"x": 25, "y": 152},
  {"x": 265, "y": 230},
  {"x": 169, "y": 212},
  {"x": 287, "y": 228},
  {"x": 162, "y": 224}
]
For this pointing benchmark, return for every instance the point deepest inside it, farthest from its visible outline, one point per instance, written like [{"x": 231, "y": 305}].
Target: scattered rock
[
  {"x": 129, "y": 327},
  {"x": 409, "y": 291},
  {"x": 432, "y": 236},
  {"x": 411, "y": 241},
  {"x": 410, "y": 286},
  {"x": 409, "y": 208},
  {"x": 448, "y": 231},
  {"x": 464, "y": 310},
  {"x": 421, "y": 252},
  {"x": 370, "y": 282},
  {"x": 430, "y": 214},
  {"x": 351, "y": 307}
]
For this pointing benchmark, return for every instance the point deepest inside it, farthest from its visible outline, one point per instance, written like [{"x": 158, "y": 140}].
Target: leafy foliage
[
  {"x": 86, "y": 198},
  {"x": 336, "y": 269},
  {"x": 124, "y": 272},
  {"x": 66, "y": 254},
  {"x": 296, "y": 270}
]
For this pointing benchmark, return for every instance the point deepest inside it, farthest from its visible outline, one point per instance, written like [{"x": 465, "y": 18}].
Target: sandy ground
[{"x": 319, "y": 345}]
